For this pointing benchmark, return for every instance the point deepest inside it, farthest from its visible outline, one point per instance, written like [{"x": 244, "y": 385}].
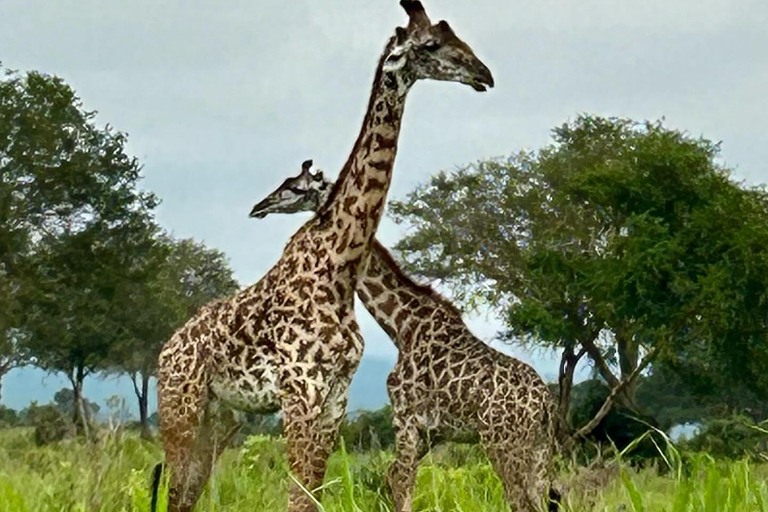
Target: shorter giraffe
[{"x": 447, "y": 383}]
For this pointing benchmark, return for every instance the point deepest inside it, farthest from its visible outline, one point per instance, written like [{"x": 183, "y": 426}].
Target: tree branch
[
  {"x": 7, "y": 366},
  {"x": 599, "y": 360},
  {"x": 135, "y": 386},
  {"x": 606, "y": 407}
]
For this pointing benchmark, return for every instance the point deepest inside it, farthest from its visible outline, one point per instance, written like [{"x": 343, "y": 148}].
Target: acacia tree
[
  {"x": 71, "y": 217},
  {"x": 179, "y": 277},
  {"x": 619, "y": 240}
]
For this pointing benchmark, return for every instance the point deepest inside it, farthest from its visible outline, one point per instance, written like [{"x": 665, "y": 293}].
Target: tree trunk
[
  {"x": 142, "y": 396},
  {"x": 628, "y": 358},
  {"x": 5, "y": 367},
  {"x": 568, "y": 362},
  {"x": 626, "y": 381},
  {"x": 80, "y": 418},
  {"x": 606, "y": 373}
]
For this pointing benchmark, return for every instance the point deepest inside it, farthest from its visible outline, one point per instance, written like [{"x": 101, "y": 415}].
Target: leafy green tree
[
  {"x": 73, "y": 222},
  {"x": 734, "y": 438},
  {"x": 369, "y": 430},
  {"x": 50, "y": 424},
  {"x": 621, "y": 241},
  {"x": 64, "y": 399},
  {"x": 179, "y": 277},
  {"x": 8, "y": 417},
  {"x": 73, "y": 312},
  {"x": 10, "y": 356}
]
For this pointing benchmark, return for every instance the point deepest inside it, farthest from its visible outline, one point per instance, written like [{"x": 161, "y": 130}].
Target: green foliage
[
  {"x": 734, "y": 438},
  {"x": 49, "y": 422},
  {"x": 94, "y": 282},
  {"x": 255, "y": 425},
  {"x": 261, "y": 453},
  {"x": 620, "y": 428},
  {"x": 73, "y": 226},
  {"x": 180, "y": 277},
  {"x": 629, "y": 229},
  {"x": 175, "y": 278},
  {"x": 8, "y": 417},
  {"x": 369, "y": 430},
  {"x": 64, "y": 400}
]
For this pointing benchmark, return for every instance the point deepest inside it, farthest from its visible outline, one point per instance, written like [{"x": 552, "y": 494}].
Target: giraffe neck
[
  {"x": 397, "y": 303},
  {"x": 356, "y": 203}
]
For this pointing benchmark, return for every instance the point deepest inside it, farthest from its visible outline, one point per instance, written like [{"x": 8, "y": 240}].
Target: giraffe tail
[
  {"x": 555, "y": 500},
  {"x": 156, "y": 474},
  {"x": 556, "y": 431}
]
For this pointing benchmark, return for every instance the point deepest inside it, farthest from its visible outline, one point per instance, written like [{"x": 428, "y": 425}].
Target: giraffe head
[
  {"x": 303, "y": 193},
  {"x": 426, "y": 51}
]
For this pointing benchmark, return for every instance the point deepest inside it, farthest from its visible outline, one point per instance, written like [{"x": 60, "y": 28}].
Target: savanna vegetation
[{"x": 624, "y": 245}]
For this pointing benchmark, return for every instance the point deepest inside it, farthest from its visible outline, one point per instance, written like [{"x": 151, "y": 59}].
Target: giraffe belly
[{"x": 252, "y": 390}]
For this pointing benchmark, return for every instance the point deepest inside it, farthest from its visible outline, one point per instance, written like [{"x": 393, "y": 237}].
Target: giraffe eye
[{"x": 431, "y": 45}]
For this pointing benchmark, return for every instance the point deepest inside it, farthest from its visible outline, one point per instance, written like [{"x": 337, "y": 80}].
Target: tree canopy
[
  {"x": 91, "y": 282},
  {"x": 617, "y": 240},
  {"x": 179, "y": 277}
]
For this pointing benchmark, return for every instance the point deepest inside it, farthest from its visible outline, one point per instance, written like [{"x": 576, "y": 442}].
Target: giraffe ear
[
  {"x": 400, "y": 35},
  {"x": 416, "y": 13},
  {"x": 305, "y": 166}
]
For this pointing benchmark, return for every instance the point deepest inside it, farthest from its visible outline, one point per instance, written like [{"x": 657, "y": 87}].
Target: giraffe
[
  {"x": 446, "y": 382},
  {"x": 290, "y": 342}
]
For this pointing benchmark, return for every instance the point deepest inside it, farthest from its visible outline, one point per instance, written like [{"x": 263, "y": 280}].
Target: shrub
[
  {"x": 369, "y": 430},
  {"x": 732, "y": 438},
  {"x": 8, "y": 417},
  {"x": 49, "y": 422}
]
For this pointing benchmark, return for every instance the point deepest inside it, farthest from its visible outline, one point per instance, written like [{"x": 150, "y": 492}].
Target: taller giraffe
[
  {"x": 446, "y": 383},
  {"x": 290, "y": 342}
]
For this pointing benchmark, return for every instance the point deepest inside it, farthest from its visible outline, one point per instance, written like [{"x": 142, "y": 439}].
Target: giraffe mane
[
  {"x": 405, "y": 279},
  {"x": 348, "y": 164}
]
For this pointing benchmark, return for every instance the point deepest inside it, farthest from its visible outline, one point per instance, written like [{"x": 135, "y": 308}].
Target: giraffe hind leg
[
  {"x": 409, "y": 448},
  {"x": 194, "y": 432}
]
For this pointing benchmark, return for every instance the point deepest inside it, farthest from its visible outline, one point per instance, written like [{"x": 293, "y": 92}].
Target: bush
[
  {"x": 8, "y": 417},
  {"x": 49, "y": 422},
  {"x": 733, "y": 438},
  {"x": 370, "y": 430},
  {"x": 620, "y": 427}
]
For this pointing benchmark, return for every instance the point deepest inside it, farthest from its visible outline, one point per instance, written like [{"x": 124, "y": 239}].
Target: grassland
[{"x": 112, "y": 475}]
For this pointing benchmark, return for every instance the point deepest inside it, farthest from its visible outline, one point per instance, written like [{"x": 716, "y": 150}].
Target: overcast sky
[{"x": 223, "y": 99}]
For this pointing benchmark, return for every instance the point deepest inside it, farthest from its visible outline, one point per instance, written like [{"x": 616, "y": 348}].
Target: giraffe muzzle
[
  {"x": 483, "y": 78},
  {"x": 257, "y": 212}
]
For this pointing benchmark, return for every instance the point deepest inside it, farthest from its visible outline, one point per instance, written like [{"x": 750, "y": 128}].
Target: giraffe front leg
[
  {"x": 402, "y": 473},
  {"x": 308, "y": 445}
]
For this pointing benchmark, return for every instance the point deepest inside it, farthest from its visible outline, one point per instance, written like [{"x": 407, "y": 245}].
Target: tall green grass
[{"x": 112, "y": 475}]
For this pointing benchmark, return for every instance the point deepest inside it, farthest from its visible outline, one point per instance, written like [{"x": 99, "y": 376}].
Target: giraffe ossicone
[
  {"x": 290, "y": 341},
  {"x": 446, "y": 383}
]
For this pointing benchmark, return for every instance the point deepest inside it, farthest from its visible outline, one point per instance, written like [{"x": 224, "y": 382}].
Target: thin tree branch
[
  {"x": 606, "y": 407},
  {"x": 135, "y": 386},
  {"x": 594, "y": 354},
  {"x": 7, "y": 366}
]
